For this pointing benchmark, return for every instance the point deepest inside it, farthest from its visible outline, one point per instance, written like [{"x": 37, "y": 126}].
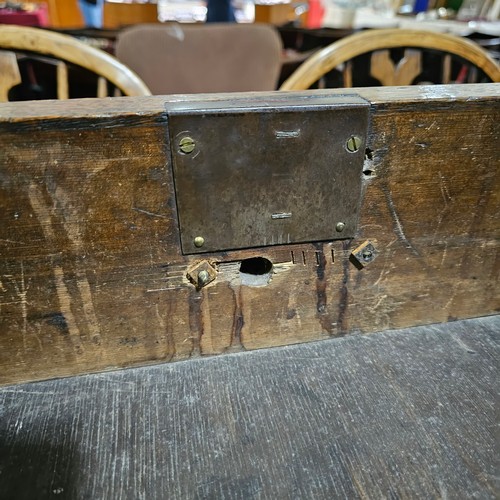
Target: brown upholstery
[{"x": 177, "y": 58}]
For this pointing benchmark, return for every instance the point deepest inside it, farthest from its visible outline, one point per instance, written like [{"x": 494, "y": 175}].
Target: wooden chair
[
  {"x": 456, "y": 60},
  {"x": 63, "y": 51},
  {"x": 215, "y": 57}
]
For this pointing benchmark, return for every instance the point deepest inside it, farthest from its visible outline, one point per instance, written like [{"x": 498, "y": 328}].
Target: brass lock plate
[{"x": 258, "y": 172}]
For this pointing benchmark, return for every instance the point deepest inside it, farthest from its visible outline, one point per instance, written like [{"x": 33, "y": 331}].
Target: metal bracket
[
  {"x": 364, "y": 254},
  {"x": 253, "y": 172},
  {"x": 201, "y": 274}
]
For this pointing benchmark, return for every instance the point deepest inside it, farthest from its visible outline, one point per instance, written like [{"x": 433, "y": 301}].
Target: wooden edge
[
  {"x": 351, "y": 46},
  {"x": 157, "y": 105},
  {"x": 73, "y": 51},
  {"x": 10, "y": 74}
]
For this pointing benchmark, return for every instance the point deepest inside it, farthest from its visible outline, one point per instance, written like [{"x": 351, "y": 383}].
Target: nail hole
[
  {"x": 368, "y": 154},
  {"x": 256, "y": 271},
  {"x": 368, "y": 172}
]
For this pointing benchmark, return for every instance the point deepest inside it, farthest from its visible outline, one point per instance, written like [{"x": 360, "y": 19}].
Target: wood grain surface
[
  {"x": 67, "y": 49},
  {"x": 349, "y": 47},
  {"x": 401, "y": 414},
  {"x": 91, "y": 272}
]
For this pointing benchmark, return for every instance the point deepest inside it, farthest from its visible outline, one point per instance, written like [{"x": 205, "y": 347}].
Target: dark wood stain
[
  {"x": 196, "y": 320},
  {"x": 237, "y": 342},
  {"x": 344, "y": 289},
  {"x": 88, "y": 222}
]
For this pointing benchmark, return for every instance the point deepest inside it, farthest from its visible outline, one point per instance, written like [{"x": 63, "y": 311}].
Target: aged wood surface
[
  {"x": 10, "y": 73},
  {"x": 401, "y": 414},
  {"x": 92, "y": 275}
]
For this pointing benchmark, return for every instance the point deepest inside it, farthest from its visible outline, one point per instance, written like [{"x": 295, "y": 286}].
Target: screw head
[
  {"x": 203, "y": 277},
  {"x": 187, "y": 145},
  {"x": 199, "y": 241},
  {"x": 364, "y": 254},
  {"x": 353, "y": 144},
  {"x": 340, "y": 227},
  {"x": 367, "y": 255}
]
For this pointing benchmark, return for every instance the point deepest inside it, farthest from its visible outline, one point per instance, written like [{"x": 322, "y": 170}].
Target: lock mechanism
[{"x": 267, "y": 171}]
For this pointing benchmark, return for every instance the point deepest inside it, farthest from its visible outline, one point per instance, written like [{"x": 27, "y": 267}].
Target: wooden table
[{"x": 401, "y": 414}]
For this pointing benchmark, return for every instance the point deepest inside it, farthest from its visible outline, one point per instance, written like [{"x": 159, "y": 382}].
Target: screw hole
[
  {"x": 256, "y": 266},
  {"x": 256, "y": 271},
  {"x": 368, "y": 154}
]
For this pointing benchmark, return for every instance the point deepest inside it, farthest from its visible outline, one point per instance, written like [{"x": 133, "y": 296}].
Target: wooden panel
[
  {"x": 406, "y": 414},
  {"x": 92, "y": 276},
  {"x": 117, "y": 15},
  {"x": 64, "y": 13}
]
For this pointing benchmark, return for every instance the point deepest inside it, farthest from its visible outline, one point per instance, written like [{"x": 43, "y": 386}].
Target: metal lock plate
[{"x": 252, "y": 173}]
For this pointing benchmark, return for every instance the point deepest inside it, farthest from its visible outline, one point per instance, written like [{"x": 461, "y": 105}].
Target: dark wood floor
[{"x": 402, "y": 414}]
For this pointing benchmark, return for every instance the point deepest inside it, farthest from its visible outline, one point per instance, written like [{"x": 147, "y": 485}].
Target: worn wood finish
[
  {"x": 352, "y": 46},
  {"x": 70, "y": 50},
  {"x": 387, "y": 73},
  {"x": 10, "y": 73},
  {"x": 92, "y": 276},
  {"x": 402, "y": 414}
]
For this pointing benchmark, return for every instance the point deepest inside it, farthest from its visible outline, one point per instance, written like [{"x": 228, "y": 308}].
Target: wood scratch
[
  {"x": 142, "y": 211},
  {"x": 380, "y": 300},
  {"x": 444, "y": 189},
  {"x": 398, "y": 226},
  {"x": 41, "y": 211},
  {"x": 65, "y": 302},
  {"x": 438, "y": 225},
  {"x": 24, "y": 306},
  {"x": 43, "y": 214},
  {"x": 88, "y": 306},
  {"x": 445, "y": 251},
  {"x": 72, "y": 227},
  {"x": 432, "y": 125},
  {"x": 382, "y": 272},
  {"x": 448, "y": 304},
  {"x": 22, "y": 292}
]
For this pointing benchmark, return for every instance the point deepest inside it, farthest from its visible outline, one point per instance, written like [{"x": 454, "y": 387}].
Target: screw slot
[
  {"x": 353, "y": 144},
  {"x": 187, "y": 145}
]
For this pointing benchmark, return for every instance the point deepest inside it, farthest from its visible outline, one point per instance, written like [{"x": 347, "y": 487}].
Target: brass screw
[
  {"x": 203, "y": 277},
  {"x": 353, "y": 144},
  {"x": 187, "y": 145},
  {"x": 199, "y": 241},
  {"x": 340, "y": 227}
]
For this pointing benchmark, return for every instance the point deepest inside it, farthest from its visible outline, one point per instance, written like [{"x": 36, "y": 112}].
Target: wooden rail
[{"x": 92, "y": 275}]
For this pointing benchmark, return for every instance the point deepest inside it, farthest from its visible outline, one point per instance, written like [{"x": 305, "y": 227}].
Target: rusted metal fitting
[
  {"x": 201, "y": 274},
  {"x": 365, "y": 254}
]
